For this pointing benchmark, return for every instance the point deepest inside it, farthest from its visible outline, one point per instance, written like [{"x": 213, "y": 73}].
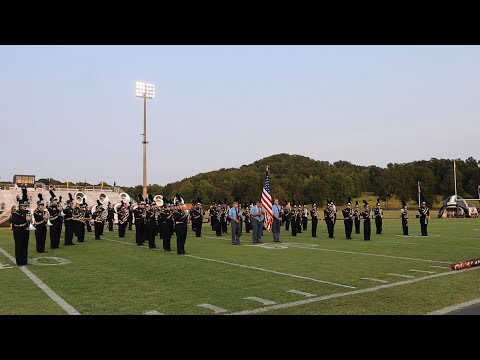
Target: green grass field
[{"x": 301, "y": 275}]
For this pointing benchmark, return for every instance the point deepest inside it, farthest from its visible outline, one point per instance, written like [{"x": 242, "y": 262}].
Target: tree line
[{"x": 301, "y": 179}]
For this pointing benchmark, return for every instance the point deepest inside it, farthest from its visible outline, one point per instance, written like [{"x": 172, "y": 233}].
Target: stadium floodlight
[{"x": 145, "y": 91}]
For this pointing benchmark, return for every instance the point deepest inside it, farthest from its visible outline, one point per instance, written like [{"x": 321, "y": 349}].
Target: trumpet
[
  {"x": 48, "y": 218},
  {"x": 31, "y": 226}
]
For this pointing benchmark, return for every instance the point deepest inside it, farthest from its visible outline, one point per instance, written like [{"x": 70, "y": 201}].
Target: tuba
[
  {"x": 158, "y": 199},
  {"x": 103, "y": 198},
  {"x": 79, "y": 196},
  {"x": 125, "y": 197}
]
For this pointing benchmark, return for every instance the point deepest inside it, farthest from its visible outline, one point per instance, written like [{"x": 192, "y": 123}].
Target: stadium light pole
[{"x": 145, "y": 91}]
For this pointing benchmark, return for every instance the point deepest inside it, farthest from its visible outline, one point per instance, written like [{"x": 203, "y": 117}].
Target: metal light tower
[{"x": 145, "y": 91}]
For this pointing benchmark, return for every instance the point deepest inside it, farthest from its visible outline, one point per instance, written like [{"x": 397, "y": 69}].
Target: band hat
[
  {"x": 40, "y": 201},
  {"x": 53, "y": 197}
]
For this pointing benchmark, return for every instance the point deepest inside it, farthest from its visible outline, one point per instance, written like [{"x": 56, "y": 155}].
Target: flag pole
[
  {"x": 418, "y": 183},
  {"x": 455, "y": 176}
]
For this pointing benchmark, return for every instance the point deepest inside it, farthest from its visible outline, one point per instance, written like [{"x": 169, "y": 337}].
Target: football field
[{"x": 391, "y": 274}]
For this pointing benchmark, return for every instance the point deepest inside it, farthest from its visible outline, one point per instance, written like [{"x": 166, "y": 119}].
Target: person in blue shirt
[
  {"x": 277, "y": 220},
  {"x": 257, "y": 215},
  {"x": 234, "y": 216}
]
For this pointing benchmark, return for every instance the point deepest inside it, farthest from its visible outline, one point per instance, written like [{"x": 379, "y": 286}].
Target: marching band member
[
  {"x": 196, "y": 218},
  {"x": 424, "y": 215},
  {"x": 122, "y": 219},
  {"x": 130, "y": 216},
  {"x": 150, "y": 222},
  {"x": 224, "y": 216},
  {"x": 99, "y": 217},
  {"x": 180, "y": 218},
  {"x": 79, "y": 218},
  {"x": 356, "y": 215},
  {"x": 314, "y": 216},
  {"x": 218, "y": 223},
  {"x": 41, "y": 217},
  {"x": 88, "y": 215},
  {"x": 55, "y": 210},
  {"x": 366, "y": 221},
  {"x": 378, "y": 213},
  {"x": 110, "y": 217},
  {"x": 293, "y": 219},
  {"x": 304, "y": 216},
  {"x": 286, "y": 215},
  {"x": 348, "y": 219},
  {"x": 246, "y": 214},
  {"x": 166, "y": 224},
  {"x": 69, "y": 221},
  {"x": 404, "y": 216},
  {"x": 139, "y": 214},
  {"x": 20, "y": 220},
  {"x": 330, "y": 218}
]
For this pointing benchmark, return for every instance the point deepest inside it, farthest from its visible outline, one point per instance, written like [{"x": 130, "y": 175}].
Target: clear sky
[{"x": 70, "y": 112}]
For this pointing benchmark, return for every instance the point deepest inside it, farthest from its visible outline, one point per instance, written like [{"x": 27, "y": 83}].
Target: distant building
[{"x": 27, "y": 180}]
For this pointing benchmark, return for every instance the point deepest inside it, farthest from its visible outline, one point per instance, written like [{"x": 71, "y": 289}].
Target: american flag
[{"x": 267, "y": 203}]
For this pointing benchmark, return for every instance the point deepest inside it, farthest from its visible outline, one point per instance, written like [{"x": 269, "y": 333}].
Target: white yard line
[
  {"x": 44, "y": 287},
  {"x": 251, "y": 267},
  {"x": 216, "y": 309},
  {"x": 377, "y": 280},
  {"x": 423, "y": 271},
  {"x": 400, "y": 275},
  {"x": 260, "y": 300},
  {"x": 272, "y": 271},
  {"x": 449, "y": 309},
  {"x": 153, "y": 312},
  {"x": 348, "y": 293},
  {"x": 306, "y": 294},
  {"x": 338, "y": 251}
]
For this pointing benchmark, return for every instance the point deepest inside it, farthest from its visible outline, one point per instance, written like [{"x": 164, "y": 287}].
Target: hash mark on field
[
  {"x": 216, "y": 309},
  {"x": 260, "y": 300},
  {"x": 440, "y": 267},
  {"x": 405, "y": 276},
  {"x": 153, "y": 312},
  {"x": 424, "y": 271},
  {"x": 348, "y": 293},
  {"x": 306, "y": 294},
  {"x": 377, "y": 280}
]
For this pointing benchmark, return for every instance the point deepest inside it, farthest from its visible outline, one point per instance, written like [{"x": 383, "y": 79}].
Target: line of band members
[
  {"x": 149, "y": 221},
  {"x": 296, "y": 219},
  {"x": 167, "y": 220}
]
